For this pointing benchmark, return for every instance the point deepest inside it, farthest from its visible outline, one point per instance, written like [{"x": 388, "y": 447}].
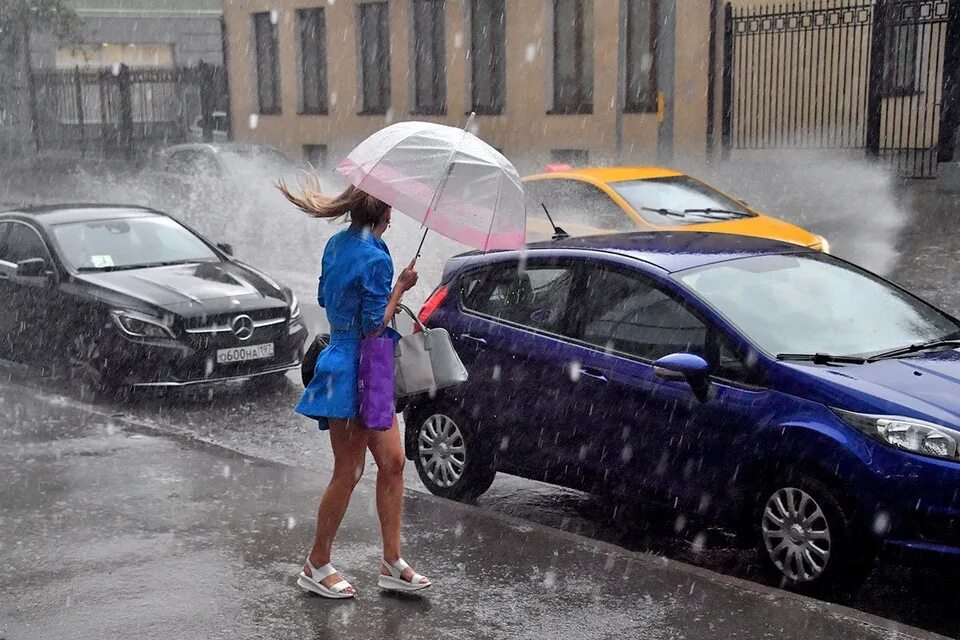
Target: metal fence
[
  {"x": 837, "y": 74},
  {"x": 123, "y": 111}
]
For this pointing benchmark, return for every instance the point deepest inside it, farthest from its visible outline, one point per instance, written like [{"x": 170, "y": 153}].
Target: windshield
[
  {"x": 807, "y": 304},
  {"x": 128, "y": 243},
  {"x": 683, "y": 199}
]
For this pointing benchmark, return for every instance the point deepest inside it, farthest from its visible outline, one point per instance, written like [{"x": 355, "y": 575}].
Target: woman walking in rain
[{"x": 355, "y": 289}]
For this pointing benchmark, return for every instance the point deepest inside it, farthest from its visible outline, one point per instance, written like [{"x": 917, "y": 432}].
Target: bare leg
[
  {"x": 349, "y": 442},
  {"x": 388, "y": 453}
]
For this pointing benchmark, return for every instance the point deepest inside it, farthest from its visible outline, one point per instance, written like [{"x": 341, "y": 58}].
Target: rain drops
[
  {"x": 881, "y": 523},
  {"x": 226, "y": 471},
  {"x": 699, "y": 542},
  {"x": 680, "y": 523},
  {"x": 574, "y": 369},
  {"x": 530, "y": 53},
  {"x": 253, "y": 121},
  {"x": 291, "y": 523}
]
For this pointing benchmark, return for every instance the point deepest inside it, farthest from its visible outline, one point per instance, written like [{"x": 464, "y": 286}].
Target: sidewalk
[{"x": 113, "y": 532}]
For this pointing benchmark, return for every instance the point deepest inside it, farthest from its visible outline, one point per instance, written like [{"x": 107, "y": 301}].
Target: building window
[
  {"x": 572, "y": 56},
  {"x": 105, "y": 55},
  {"x": 641, "y": 56},
  {"x": 312, "y": 29},
  {"x": 316, "y": 155},
  {"x": 900, "y": 53},
  {"x": 268, "y": 73},
  {"x": 374, "y": 36},
  {"x": 488, "y": 61},
  {"x": 572, "y": 157},
  {"x": 429, "y": 63}
]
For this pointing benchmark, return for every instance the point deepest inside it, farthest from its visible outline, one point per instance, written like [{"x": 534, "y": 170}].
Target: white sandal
[
  {"x": 312, "y": 582},
  {"x": 395, "y": 581}
]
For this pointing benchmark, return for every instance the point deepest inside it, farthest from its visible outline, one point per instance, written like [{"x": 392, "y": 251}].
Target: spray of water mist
[{"x": 852, "y": 202}]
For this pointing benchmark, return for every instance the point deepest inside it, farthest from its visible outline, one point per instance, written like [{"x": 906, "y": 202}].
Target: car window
[
  {"x": 811, "y": 303},
  {"x": 577, "y": 202},
  {"x": 192, "y": 162},
  {"x": 677, "y": 194},
  {"x": 127, "y": 243},
  {"x": 22, "y": 243},
  {"x": 727, "y": 363},
  {"x": 623, "y": 313},
  {"x": 4, "y": 229},
  {"x": 536, "y": 296}
]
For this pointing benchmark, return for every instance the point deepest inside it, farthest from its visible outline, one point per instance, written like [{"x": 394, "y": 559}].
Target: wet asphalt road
[
  {"x": 928, "y": 263},
  {"x": 112, "y": 530}
]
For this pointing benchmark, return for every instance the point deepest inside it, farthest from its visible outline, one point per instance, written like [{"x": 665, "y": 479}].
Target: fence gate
[
  {"x": 122, "y": 111},
  {"x": 837, "y": 74}
]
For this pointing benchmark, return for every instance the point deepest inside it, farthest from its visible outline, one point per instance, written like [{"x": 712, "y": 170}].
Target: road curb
[{"x": 140, "y": 426}]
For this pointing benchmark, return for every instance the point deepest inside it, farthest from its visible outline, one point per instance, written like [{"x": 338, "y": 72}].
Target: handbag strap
[{"x": 413, "y": 316}]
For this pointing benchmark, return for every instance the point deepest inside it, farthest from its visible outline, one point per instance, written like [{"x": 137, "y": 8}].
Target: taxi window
[{"x": 577, "y": 202}]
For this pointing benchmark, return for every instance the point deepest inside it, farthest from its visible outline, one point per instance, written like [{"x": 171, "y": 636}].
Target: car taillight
[{"x": 435, "y": 300}]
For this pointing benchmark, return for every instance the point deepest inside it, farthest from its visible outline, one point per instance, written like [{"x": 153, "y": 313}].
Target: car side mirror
[
  {"x": 687, "y": 367},
  {"x": 32, "y": 268},
  {"x": 225, "y": 247}
]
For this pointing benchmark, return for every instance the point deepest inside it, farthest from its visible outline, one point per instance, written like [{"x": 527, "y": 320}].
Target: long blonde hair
[{"x": 365, "y": 210}]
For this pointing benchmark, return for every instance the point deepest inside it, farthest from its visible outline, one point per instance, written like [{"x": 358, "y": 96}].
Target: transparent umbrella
[{"x": 445, "y": 178}]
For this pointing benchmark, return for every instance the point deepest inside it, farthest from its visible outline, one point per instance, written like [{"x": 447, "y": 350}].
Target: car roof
[
  {"x": 610, "y": 174},
  {"x": 673, "y": 250},
  {"x": 52, "y": 214}
]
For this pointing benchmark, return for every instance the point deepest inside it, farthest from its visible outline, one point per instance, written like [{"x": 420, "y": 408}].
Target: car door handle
[
  {"x": 478, "y": 340},
  {"x": 596, "y": 374}
]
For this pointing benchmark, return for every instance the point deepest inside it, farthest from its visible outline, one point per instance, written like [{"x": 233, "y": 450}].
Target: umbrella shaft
[{"x": 420, "y": 248}]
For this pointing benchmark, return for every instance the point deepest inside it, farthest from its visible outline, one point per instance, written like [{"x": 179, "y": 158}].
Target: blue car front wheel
[{"x": 808, "y": 536}]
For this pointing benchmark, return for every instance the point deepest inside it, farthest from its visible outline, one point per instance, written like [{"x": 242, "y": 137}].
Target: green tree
[{"x": 20, "y": 18}]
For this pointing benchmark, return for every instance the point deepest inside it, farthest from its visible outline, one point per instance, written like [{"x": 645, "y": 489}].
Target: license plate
[{"x": 242, "y": 354}]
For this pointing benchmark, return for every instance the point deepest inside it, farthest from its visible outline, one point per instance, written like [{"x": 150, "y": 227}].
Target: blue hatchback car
[{"x": 788, "y": 393}]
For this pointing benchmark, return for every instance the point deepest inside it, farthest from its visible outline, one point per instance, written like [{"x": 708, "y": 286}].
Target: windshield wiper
[
  {"x": 129, "y": 267},
  {"x": 709, "y": 212},
  {"x": 666, "y": 212},
  {"x": 913, "y": 348},
  {"x": 821, "y": 358}
]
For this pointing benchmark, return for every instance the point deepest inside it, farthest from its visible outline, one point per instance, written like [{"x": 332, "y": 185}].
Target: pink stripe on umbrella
[{"x": 414, "y": 198}]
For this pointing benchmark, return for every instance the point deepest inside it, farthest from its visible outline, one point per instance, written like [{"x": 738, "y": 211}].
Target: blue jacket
[{"x": 355, "y": 281}]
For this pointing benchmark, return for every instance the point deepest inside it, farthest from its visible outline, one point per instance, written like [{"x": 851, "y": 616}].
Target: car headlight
[
  {"x": 909, "y": 434},
  {"x": 141, "y": 325},
  {"x": 294, "y": 307}
]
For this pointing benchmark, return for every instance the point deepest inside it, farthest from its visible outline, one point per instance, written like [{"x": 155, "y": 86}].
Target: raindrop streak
[{"x": 530, "y": 54}]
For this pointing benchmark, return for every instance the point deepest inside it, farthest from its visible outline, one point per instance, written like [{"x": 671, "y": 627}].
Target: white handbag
[{"x": 425, "y": 361}]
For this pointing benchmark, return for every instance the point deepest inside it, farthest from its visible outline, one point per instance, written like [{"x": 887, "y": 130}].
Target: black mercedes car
[{"x": 115, "y": 296}]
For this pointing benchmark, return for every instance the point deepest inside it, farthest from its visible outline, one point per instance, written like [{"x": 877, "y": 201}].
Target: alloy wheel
[
  {"x": 796, "y": 534},
  {"x": 442, "y": 450}
]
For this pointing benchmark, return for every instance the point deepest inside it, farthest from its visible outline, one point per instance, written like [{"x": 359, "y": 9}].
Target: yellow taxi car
[{"x": 614, "y": 199}]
